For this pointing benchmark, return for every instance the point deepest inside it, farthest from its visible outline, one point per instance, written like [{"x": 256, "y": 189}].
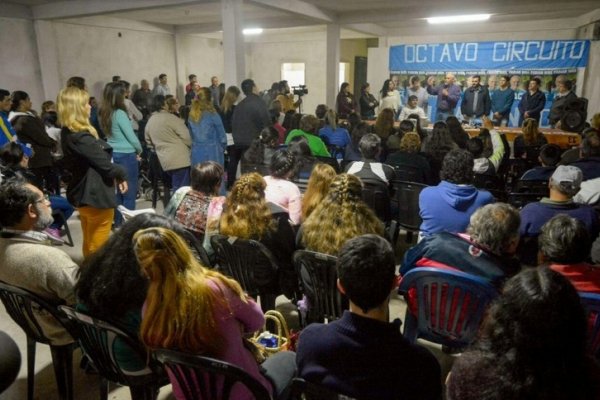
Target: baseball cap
[{"x": 567, "y": 179}]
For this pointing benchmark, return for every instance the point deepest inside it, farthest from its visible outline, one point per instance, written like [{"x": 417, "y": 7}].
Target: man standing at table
[
  {"x": 476, "y": 101},
  {"x": 448, "y": 94},
  {"x": 533, "y": 101},
  {"x": 502, "y": 101}
]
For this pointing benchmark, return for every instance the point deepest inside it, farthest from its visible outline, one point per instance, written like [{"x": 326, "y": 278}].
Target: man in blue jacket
[
  {"x": 502, "y": 101},
  {"x": 533, "y": 101}
]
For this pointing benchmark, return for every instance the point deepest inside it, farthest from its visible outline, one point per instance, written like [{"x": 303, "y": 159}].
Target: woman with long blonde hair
[
  {"x": 206, "y": 129},
  {"x": 91, "y": 188},
  {"x": 527, "y": 145},
  {"x": 318, "y": 186},
  {"x": 193, "y": 309},
  {"x": 342, "y": 215},
  {"x": 248, "y": 215}
]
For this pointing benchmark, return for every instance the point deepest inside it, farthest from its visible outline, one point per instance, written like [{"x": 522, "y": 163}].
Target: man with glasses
[{"x": 27, "y": 258}]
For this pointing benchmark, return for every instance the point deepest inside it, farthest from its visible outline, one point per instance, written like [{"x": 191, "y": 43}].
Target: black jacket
[
  {"x": 249, "y": 118},
  {"x": 483, "y": 106},
  {"x": 534, "y": 104},
  {"x": 89, "y": 161},
  {"x": 30, "y": 129},
  {"x": 558, "y": 107}
]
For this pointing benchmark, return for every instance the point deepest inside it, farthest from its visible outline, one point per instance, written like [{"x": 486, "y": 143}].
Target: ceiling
[{"x": 373, "y": 18}]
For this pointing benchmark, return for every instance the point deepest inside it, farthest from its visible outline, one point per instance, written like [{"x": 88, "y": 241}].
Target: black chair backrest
[
  {"x": 377, "y": 197},
  {"x": 535, "y": 186},
  {"x": 409, "y": 173},
  {"x": 197, "y": 248},
  {"x": 304, "y": 390},
  {"x": 206, "y": 378},
  {"x": 329, "y": 161},
  {"x": 97, "y": 339},
  {"x": 406, "y": 195},
  {"x": 318, "y": 274},
  {"x": 520, "y": 200},
  {"x": 247, "y": 261},
  {"x": 24, "y": 308},
  {"x": 247, "y": 168}
]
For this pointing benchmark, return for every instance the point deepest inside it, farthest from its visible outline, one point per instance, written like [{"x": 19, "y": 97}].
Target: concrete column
[
  {"x": 180, "y": 76},
  {"x": 48, "y": 58},
  {"x": 332, "y": 65},
  {"x": 233, "y": 42}
]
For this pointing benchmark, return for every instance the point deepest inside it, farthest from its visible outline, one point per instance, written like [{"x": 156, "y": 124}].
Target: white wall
[
  {"x": 265, "y": 58},
  {"x": 203, "y": 57},
  {"x": 19, "y": 63}
]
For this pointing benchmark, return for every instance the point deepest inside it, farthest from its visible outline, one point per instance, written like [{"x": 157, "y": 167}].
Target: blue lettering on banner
[{"x": 514, "y": 55}]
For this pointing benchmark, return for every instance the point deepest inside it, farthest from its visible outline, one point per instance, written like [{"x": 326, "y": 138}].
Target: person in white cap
[{"x": 564, "y": 184}]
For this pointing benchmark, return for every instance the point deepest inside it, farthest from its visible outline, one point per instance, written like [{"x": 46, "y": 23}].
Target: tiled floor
[{"x": 86, "y": 386}]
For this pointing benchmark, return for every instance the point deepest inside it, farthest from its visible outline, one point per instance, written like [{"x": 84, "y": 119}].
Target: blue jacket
[
  {"x": 502, "y": 101},
  {"x": 448, "y": 207},
  {"x": 7, "y": 133}
]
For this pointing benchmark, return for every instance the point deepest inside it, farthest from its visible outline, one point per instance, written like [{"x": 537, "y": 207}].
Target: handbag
[{"x": 282, "y": 335}]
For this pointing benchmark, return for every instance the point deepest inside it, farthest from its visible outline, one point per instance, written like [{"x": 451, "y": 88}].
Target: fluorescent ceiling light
[
  {"x": 457, "y": 19},
  {"x": 252, "y": 31}
]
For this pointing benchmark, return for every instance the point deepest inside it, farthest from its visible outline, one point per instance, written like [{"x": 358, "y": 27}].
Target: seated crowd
[{"x": 302, "y": 182}]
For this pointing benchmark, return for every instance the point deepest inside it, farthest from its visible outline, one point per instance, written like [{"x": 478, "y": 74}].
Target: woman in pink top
[
  {"x": 279, "y": 189},
  {"x": 193, "y": 309}
]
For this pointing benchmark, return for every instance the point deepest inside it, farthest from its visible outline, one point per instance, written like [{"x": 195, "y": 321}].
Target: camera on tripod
[{"x": 299, "y": 90}]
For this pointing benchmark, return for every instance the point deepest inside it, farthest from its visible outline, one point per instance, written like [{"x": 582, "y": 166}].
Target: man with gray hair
[
  {"x": 487, "y": 248},
  {"x": 565, "y": 245},
  {"x": 369, "y": 169},
  {"x": 564, "y": 184},
  {"x": 27, "y": 259}
]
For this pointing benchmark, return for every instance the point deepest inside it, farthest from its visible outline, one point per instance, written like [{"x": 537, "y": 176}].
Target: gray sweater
[{"x": 42, "y": 269}]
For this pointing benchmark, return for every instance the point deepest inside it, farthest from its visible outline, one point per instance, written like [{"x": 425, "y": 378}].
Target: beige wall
[
  {"x": 19, "y": 64},
  {"x": 350, "y": 48}
]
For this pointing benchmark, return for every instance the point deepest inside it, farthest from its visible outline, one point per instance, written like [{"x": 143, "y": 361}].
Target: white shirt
[
  {"x": 392, "y": 100},
  {"x": 408, "y": 111}
]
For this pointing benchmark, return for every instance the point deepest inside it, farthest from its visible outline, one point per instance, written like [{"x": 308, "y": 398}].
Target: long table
[{"x": 565, "y": 140}]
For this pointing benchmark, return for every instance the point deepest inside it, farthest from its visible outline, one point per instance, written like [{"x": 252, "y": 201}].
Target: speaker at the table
[{"x": 575, "y": 115}]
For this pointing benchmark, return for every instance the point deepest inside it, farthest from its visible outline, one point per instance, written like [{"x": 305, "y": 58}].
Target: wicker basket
[{"x": 282, "y": 334}]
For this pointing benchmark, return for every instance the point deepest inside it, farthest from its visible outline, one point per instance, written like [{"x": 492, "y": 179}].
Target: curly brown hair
[
  {"x": 384, "y": 125},
  {"x": 342, "y": 215},
  {"x": 246, "y": 214}
]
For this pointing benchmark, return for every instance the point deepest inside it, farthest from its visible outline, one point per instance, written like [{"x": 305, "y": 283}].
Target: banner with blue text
[{"x": 532, "y": 56}]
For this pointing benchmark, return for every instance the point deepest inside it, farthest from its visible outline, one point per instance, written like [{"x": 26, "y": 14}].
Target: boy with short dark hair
[{"x": 362, "y": 355}]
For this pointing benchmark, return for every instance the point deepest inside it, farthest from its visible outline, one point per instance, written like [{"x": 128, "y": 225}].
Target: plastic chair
[
  {"x": 250, "y": 263},
  {"x": 406, "y": 195},
  {"x": 520, "y": 200},
  {"x": 158, "y": 176},
  {"x": 377, "y": 197},
  {"x": 318, "y": 275},
  {"x": 450, "y": 305},
  {"x": 22, "y": 306},
  {"x": 197, "y": 248},
  {"x": 591, "y": 305},
  {"x": 207, "y": 378},
  {"x": 97, "y": 339},
  {"x": 409, "y": 173},
  {"x": 304, "y": 390},
  {"x": 532, "y": 186}
]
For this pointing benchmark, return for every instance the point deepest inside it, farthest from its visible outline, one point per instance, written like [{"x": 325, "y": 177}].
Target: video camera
[{"x": 299, "y": 90}]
